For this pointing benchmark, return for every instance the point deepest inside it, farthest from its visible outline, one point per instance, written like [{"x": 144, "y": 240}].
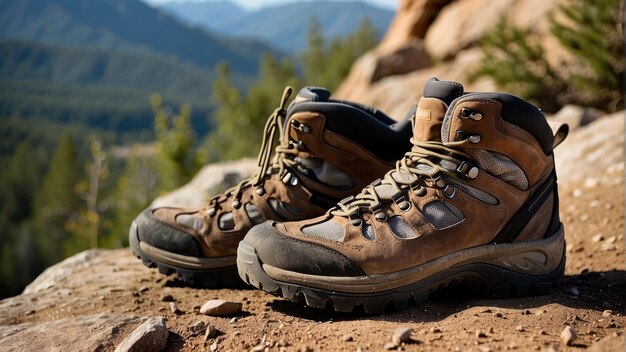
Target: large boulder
[
  {"x": 439, "y": 38},
  {"x": 209, "y": 181},
  {"x": 593, "y": 154},
  {"x": 463, "y": 23}
]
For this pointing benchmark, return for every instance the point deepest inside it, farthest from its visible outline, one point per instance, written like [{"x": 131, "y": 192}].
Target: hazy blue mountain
[
  {"x": 100, "y": 88},
  {"x": 284, "y": 26},
  {"x": 201, "y": 13},
  {"x": 128, "y": 25}
]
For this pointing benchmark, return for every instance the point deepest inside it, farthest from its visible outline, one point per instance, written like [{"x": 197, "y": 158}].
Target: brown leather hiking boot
[
  {"x": 478, "y": 206},
  {"x": 328, "y": 150}
]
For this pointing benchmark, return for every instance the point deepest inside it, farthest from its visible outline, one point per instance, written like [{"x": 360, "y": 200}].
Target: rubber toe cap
[
  {"x": 162, "y": 235},
  {"x": 288, "y": 253}
]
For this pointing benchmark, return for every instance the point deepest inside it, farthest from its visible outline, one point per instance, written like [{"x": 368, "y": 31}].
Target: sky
[{"x": 255, "y": 4}]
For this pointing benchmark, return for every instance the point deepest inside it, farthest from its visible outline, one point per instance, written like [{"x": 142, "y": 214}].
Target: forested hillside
[{"x": 97, "y": 87}]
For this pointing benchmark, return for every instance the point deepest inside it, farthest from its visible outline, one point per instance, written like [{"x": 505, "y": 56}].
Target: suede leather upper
[{"x": 481, "y": 222}]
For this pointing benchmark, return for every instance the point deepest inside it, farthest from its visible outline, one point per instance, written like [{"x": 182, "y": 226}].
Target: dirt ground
[{"x": 453, "y": 319}]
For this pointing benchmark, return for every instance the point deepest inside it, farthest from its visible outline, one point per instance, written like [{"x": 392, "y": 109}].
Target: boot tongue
[
  {"x": 432, "y": 107},
  {"x": 312, "y": 94}
]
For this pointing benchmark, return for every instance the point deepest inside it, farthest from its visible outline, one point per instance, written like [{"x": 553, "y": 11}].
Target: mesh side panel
[
  {"x": 327, "y": 173},
  {"x": 329, "y": 230},
  {"x": 401, "y": 228},
  {"x": 503, "y": 168},
  {"x": 255, "y": 215},
  {"x": 481, "y": 195},
  {"x": 285, "y": 211},
  {"x": 368, "y": 232},
  {"x": 226, "y": 222},
  {"x": 191, "y": 220},
  {"x": 442, "y": 215}
]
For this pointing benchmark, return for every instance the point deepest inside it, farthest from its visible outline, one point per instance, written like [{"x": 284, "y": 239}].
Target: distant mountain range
[
  {"x": 98, "y": 61},
  {"x": 284, "y": 26},
  {"x": 128, "y": 25}
]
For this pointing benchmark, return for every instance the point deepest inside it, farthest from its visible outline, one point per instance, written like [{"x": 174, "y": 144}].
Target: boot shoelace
[
  {"x": 409, "y": 176},
  {"x": 268, "y": 165}
]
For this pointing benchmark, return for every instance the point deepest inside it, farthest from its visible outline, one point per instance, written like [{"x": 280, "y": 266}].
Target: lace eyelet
[
  {"x": 417, "y": 189},
  {"x": 449, "y": 190},
  {"x": 260, "y": 191},
  {"x": 471, "y": 114},
  {"x": 404, "y": 205},
  {"x": 236, "y": 204},
  {"x": 381, "y": 216},
  {"x": 467, "y": 170},
  {"x": 300, "y": 126},
  {"x": 356, "y": 222},
  {"x": 211, "y": 212},
  {"x": 475, "y": 138}
]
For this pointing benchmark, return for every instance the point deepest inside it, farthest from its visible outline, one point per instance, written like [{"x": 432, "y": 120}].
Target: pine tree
[
  {"x": 137, "y": 186},
  {"x": 91, "y": 220},
  {"x": 314, "y": 59},
  {"x": 18, "y": 183},
  {"x": 593, "y": 31},
  {"x": 517, "y": 65},
  {"x": 177, "y": 159},
  {"x": 239, "y": 121},
  {"x": 57, "y": 201}
]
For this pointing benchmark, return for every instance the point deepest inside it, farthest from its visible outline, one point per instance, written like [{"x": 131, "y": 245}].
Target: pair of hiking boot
[{"x": 329, "y": 220}]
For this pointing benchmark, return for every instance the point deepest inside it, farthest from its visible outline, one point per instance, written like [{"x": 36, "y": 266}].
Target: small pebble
[
  {"x": 480, "y": 334},
  {"x": 390, "y": 346},
  {"x": 346, "y": 338},
  {"x": 607, "y": 247},
  {"x": 526, "y": 312},
  {"x": 611, "y": 239},
  {"x": 210, "y": 332},
  {"x": 607, "y": 313},
  {"x": 197, "y": 328},
  {"x": 166, "y": 297},
  {"x": 568, "y": 335},
  {"x": 143, "y": 289},
  {"x": 597, "y": 238},
  {"x": 258, "y": 348},
  {"x": 401, "y": 335},
  {"x": 519, "y": 328},
  {"x": 218, "y": 307},
  {"x": 435, "y": 330},
  {"x": 174, "y": 308},
  {"x": 498, "y": 315}
]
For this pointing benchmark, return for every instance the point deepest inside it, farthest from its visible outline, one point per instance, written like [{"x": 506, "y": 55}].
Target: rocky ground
[{"x": 94, "y": 300}]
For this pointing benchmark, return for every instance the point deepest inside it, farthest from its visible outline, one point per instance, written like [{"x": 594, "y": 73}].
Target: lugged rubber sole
[
  {"x": 191, "y": 272},
  {"x": 498, "y": 271}
]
